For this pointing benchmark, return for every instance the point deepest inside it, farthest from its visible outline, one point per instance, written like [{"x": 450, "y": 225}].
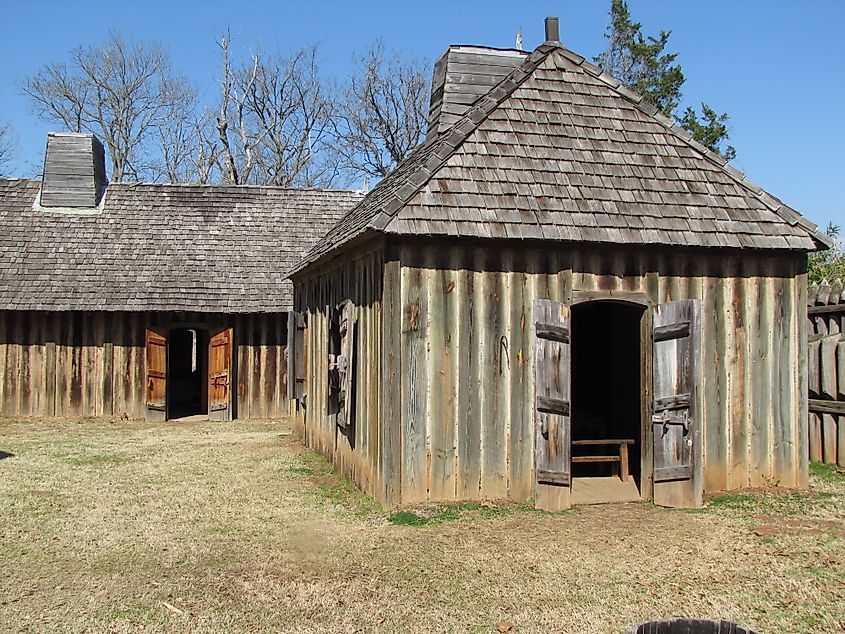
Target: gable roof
[
  {"x": 559, "y": 150},
  {"x": 151, "y": 247}
]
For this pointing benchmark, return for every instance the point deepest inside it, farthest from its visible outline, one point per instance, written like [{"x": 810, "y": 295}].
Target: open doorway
[
  {"x": 187, "y": 389},
  {"x": 606, "y": 402}
]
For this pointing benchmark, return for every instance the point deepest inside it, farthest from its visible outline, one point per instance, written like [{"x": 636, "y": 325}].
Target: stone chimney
[
  {"x": 74, "y": 171},
  {"x": 462, "y": 75}
]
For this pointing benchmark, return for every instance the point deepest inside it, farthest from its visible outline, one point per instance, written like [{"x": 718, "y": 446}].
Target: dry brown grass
[{"x": 118, "y": 527}]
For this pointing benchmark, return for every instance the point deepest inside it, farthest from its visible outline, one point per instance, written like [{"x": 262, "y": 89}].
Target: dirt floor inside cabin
[{"x": 114, "y": 526}]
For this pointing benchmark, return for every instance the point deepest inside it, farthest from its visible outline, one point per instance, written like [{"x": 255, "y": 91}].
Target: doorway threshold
[
  {"x": 194, "y": 418},
  {"x": 604, "y": 490}
]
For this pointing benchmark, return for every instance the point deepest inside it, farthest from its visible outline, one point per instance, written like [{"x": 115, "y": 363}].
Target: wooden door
[
  {"x": 156, "y": 352},
  {"x": 220, "y": 355},
  {"x": 346, "y": 364},
  {"x": 552, "y": 369},
  {"x": 676, "y": 375}
]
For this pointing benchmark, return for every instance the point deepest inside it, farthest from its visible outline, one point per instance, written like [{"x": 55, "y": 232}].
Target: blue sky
[{"x": 775, "y": 67}]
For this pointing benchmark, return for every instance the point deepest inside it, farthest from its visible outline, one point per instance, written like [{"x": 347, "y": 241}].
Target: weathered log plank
[
  {"x": 828, "y": 370},
  {"x": 390, "y": 436},
  {"x": 829, "y": 439},
  {"x": 821, "y": 406},
  {"x": 816, "y": 437}
]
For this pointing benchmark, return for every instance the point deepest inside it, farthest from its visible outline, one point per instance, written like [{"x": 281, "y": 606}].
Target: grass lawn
[{"x": 206, "y": 527}]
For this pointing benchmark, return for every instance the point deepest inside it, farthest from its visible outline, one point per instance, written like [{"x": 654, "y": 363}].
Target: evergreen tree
[
  {"x": 642, "y": 63},
  {"x": 827, "y": 265},
  {"x": 639, "y": 62},
  {"x": 712, "y": 131}
]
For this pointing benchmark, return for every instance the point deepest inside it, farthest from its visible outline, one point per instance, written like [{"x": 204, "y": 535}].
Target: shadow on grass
[
  {"x": 470, "y": 511},
  {"x": 6, "y": 454},
  {"x": 342, "y": 492}
]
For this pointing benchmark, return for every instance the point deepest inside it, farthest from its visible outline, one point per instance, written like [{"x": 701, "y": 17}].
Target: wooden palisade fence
[{"x": 826, "y": 371}]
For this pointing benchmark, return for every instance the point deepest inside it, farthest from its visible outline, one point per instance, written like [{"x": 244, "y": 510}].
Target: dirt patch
[{"x": 780, "y": 524}]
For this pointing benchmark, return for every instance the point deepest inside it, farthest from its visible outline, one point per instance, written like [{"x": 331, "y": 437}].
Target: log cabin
[
  {"x": 559, "y": 296},
  {"x": 147, "y": 300}
]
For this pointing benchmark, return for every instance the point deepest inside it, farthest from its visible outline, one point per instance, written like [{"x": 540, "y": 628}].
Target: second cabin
[{"x": 559, "y": 296}]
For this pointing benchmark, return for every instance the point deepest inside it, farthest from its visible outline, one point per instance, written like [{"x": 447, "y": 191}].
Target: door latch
[{"x": 670, "y": 417}]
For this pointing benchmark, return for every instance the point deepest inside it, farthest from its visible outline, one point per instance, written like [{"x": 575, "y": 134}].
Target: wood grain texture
[
  {"x": 480, "y": 400},
  {"x": 826, "y": 361},
  {"x": 552, "y": 376},
  {"x": 356, "y": 449},
  {"x": 415, "y": 415},
  {"x": 390, "y": 434},
  {"x": 95, "y": 363},
  {"x": 677, "y": 430},
  {"x": 156, "y": 356}
]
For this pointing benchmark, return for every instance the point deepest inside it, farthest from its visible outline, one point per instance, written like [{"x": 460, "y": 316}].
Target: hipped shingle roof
[{"x": 561, "y": 151}]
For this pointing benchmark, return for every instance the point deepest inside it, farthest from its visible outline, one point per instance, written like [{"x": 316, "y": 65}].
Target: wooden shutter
[
  {"x": 675, "y": 410},
  {"x": 220, "y": 348},
  {"x": 346, "y": 363},
  {"x": 296, "y": 355},
  {"x": 156, "y": 349},
  {"x": 552, "y": 364}
]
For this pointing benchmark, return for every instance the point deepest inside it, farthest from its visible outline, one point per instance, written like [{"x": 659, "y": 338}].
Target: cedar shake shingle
[
  {"x": 560, "y": 151},
  {"x": 203, "y": 248}
]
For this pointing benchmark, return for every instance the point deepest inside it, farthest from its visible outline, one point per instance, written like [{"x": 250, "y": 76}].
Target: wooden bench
[{"x": 621, "y": 458}]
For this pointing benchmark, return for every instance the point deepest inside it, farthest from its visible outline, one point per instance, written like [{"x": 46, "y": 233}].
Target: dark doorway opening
[
  {"x": 607, "y": 393},
  {"x": 187, "y": 385}
]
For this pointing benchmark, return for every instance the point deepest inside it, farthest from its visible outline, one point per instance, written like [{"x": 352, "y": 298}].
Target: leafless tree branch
[
  {"x": 121, "y": 91},
  {"x": 383, "y": 115},
  {"x": 8, "y": 147}
]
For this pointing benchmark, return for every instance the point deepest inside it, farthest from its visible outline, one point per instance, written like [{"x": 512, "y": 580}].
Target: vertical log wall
[
  {"x": 826, "y": 372},
  {"x": 355, "y": 451},
  {"x": 93, "y": 363},
  {"x": 465, "y": 355}
]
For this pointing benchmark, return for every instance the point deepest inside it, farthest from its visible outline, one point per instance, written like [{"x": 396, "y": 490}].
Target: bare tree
[
  {"x": 287, "y": 99},
  {"x": 231, "y": 152},
  {"x": 384, "y": 113},
  {"x": 206, "y": 150},
  {"x": 8, "y": 147},
  {"x": 188, "y": 147},
  {"x": 121, "y": 91},
  {"x": 274, "y": 120}
]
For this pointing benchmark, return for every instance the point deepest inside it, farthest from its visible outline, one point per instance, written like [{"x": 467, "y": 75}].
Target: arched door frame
[{"x": 646, "y": 440}]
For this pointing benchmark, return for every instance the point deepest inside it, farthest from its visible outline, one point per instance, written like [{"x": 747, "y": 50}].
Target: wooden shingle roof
[
  {"x": 560, "y": 150},
  {"x": 157, "y": 247}
]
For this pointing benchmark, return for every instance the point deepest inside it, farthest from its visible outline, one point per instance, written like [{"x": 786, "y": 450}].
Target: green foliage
[
  {"x": 436, "y": 515},
  {"x": 733, "y": 500},
  {"x": 826, "y": 472},
  {"x": 441, "y": 513},
  {"x": 711, "y": 130},
  {"x": 642, "y": 63},
  {"x": 827, "y": 265},
  {"x": 639, "y": 61},
  {"x": 98, "y": 460},
  {"x": 772, "y": 502},
  {"x": 407, "y": 518}
]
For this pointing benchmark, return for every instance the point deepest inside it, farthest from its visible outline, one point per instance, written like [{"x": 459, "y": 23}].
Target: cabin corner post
[
  {"x": 390, "y": 425},
  {"x": 414, "y": 363},
  {"x": 802, "y": 413}
]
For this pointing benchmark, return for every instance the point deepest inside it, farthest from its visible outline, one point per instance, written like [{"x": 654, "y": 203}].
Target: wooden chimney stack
[{"x": 74, "y": 171}]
